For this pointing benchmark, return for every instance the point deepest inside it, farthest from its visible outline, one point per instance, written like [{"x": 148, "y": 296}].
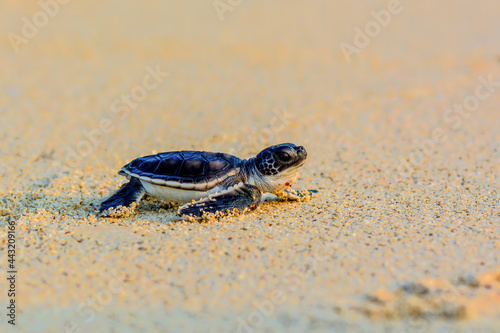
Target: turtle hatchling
[{"x": 211, "y": 183}]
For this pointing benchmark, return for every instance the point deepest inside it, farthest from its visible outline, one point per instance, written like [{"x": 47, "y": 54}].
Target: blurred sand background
[{"x": 403, "y": 238}]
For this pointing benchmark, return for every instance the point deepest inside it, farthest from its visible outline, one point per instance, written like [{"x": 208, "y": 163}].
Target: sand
[{"x": 403, "y": 145}]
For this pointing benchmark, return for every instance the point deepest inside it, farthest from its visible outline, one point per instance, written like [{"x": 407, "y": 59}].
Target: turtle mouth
[
  {"x": 293, "y": 168},
  {"x": 302, "y": 154},
  {"x": 301, "y": 163}
]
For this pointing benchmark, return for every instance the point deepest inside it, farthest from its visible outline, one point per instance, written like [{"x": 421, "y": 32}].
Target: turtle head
[
  {"x": 278, "y": 165},
  {"x": 281, "y": 158}
]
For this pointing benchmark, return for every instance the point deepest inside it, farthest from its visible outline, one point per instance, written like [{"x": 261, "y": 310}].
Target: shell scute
[
  {"x": 168, "y": 165},
  {"x": 217, "y": 166},
  {"x": 193, "y": 168}
]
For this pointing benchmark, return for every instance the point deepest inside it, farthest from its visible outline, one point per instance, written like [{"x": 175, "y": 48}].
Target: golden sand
[{"x": 403, "y": 146}]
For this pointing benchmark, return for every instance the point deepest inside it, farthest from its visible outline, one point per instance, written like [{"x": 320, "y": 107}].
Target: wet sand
[{"x": 402, "y": 137}]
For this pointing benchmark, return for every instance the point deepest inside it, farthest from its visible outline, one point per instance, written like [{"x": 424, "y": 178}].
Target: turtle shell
[{"x": 189, "y": 170}]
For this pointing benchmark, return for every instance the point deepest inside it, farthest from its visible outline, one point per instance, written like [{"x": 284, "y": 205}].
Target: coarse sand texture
[{"x": 396, "y": 102}]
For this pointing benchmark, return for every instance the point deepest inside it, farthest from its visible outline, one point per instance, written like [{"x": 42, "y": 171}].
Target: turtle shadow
[{"x": 151, "y": 204}]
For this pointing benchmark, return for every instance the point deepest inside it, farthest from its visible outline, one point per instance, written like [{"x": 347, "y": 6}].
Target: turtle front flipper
[
  {"x": 297, "y": 195},
  {"x": 128, "y": 194},
  {"x": 234, "y": 199}
]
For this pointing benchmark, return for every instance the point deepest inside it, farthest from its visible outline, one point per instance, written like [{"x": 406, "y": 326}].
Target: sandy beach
[{"x": 396, "y": 102}]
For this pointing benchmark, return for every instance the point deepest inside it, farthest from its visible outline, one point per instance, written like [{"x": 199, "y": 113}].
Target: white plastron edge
[
  {"x": 233, "y": 190},
  {"x": 198, "y": 187}
]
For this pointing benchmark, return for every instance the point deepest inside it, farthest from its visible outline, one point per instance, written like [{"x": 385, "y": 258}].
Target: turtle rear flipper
[
  {"x": 237, "y": 198},
  {"x": 128, "y": 193}
]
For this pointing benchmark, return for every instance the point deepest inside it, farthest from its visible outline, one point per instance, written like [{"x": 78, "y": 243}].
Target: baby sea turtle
[{"x": 210, "y": 183}]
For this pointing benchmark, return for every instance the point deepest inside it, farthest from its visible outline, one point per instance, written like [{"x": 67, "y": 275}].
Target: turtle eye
[{"x": 285, "y": 157}]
